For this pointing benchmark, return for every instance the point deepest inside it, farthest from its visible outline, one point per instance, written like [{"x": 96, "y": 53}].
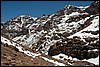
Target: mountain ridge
[{"x": 72, "y": 31}]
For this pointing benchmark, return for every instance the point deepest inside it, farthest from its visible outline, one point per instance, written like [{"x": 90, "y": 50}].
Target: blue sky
[{"x": 11, "y": 9}]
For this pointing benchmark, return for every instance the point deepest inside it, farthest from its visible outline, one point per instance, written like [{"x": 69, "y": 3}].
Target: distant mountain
[{"x": 73, "y": 31}]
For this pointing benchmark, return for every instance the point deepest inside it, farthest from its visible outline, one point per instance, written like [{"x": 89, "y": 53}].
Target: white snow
[
  {"x": 68, "y": 6},
  {"x": 30, "y": 39},
  {"x": 97, "y": 1},
  {"x": 74, "y": 13},
  {"x": 34, "y": 24},
  {"x": 81, "y": 21},
  {"x": 92, "y": 27},
  {"x": 44, "y": 22},
  {"x": 4, "y": 40},
  {"x": 65, "y": 18},
  {"x": 34, "y": 18},
  {"x": 22, "y": 15},
  {"x": 64, "y": 56},
  {"x": 55, "y": 62},
  {"x": 82, "y": 7},
  {"x": 22, "y": 21},
  {"x": 93, "y": 50},
  {"x": 31, "y": 53},
  {"x": 68, "y": 27},
  {"x": 16, "y": 38},
  {"x": 28, "y": 25},
  {"x": 22, "y": 38},
  {"x": 93, "y": 60}
]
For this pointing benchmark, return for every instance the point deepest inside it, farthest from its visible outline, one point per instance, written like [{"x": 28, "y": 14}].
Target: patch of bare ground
[
  {"x": 11, "y": 57},
  {"x": 82, "y": 63}
]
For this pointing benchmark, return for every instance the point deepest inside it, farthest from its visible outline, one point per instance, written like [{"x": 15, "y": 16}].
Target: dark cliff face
[{"x": 93, "y": 8}]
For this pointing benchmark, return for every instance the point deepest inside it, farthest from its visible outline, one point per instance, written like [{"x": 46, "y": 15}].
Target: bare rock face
[{"x": 75, "y": 48}]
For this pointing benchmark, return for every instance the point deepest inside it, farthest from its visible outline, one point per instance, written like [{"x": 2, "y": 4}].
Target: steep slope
[
  {"x": 10, "y": 56},
  {"x": 13, "y": 54},
  {"x": 73, "y": 31},
  {"x": 29, "y": 32}
]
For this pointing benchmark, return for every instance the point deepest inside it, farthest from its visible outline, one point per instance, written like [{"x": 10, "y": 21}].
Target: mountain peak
[
  {"x": 23, "y": 15},
  {"x": 68, "y": 6}
]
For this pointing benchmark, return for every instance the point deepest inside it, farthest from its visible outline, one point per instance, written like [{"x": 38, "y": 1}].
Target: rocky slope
[
  {"x": 10, "y": 56},
  {"x": 13, "y": 54},
  {"x": 72, "y": 31}
]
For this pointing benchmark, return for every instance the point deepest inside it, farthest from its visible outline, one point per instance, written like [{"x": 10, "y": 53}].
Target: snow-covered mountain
[{"x": 73, "y": 31}]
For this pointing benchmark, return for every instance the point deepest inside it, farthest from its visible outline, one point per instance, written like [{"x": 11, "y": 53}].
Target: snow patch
[
  {"x": 4, "y": 40},
  {"x": 82, "y": 7},
  {"x": 92, "y": 27},
  {"x": 55, "y": 62},
  {"x": 93, "y": 60},
  {"x": 64, "y": 56}
]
